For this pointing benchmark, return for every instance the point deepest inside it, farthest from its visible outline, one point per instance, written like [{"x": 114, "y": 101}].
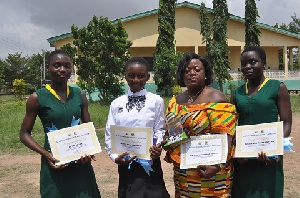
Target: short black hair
[
  {"x": 183, "y": 63},
  {"x": 137, "y": 60},
  {"x": 259, "y": 50},
  {"x": 55, "y": 52}
]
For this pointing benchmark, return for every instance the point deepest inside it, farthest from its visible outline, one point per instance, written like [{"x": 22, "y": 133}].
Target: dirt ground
[{"x": 19, "y": 174}]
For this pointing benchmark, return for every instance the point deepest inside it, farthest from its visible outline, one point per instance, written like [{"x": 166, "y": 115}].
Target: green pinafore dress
[
  {"x": 76, "y": 180},
  {"x": 255, "y": 179}
]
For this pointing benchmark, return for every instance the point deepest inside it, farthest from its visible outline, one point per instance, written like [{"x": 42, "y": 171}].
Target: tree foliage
[
  {"x": 216, "y": 40},
  {"x": 35, "y": 64},
  {"x": 165, "y": 58},
  {"x": 28, "y": 68},
  {"x": 252, "y": 32},
  {"x": 293, "y": 26},
  {"x": 19, "y": 87},
  {"x": 102, "y": 53},
  {"x": 15, "y": 68},
  {"x": 166, "y": 25},
  {"x": 165, "y": 67}
]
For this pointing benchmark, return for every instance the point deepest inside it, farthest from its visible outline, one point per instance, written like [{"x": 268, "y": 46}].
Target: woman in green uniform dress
[
  {"x": 59, "y": 106},
  {"x": 260, "y": 100}
]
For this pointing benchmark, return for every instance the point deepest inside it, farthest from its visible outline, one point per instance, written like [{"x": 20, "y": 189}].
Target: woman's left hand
[
  {"x": 86, "y": 159},
  {"x": 208, "y": 171},
  {"x": 155, "y": 151}
]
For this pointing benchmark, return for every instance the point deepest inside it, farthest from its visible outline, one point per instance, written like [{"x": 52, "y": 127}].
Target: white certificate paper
[
  {"x": 204, "y": 150},
  {"x": 135, "y": 140},
  {"x": 69, "y": 144},
  {"x": 252, "y": 139}
]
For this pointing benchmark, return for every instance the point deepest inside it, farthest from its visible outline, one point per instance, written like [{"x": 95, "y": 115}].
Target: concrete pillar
[
  {"x": 291, "y": 58},
  {"x": 285, "y": 62},
  {"x": 196, "y": 49}
]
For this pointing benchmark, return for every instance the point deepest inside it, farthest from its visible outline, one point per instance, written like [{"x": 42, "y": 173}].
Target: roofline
[
  {"x": 178, "y": 5},
  {"x": 59, "y": 37}
]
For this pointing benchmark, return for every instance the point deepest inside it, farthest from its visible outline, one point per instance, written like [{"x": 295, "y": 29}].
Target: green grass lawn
[{"x": 12, "y": 113}]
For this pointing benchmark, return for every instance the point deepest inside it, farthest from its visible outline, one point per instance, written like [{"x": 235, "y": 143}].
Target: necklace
[
  {"x": 260, "y": 86},
  {"x": 191, "y": 98}
]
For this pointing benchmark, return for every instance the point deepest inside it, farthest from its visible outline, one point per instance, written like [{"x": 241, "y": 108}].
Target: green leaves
[
  {"x": 165, "y": 67},
  {"x": 216, "y": 41},
  {"x": 252, "y": 32},
  {"x": 165, "y": 58},
  {"x": 103, "y": 49}
]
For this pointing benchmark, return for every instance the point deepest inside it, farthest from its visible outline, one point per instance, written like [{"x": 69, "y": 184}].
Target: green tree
[
  {"x": 70, "y": 50},
  {"x": 294, "y": 26},
  {"x": 103, "y": 49},
  {"x": 88, "y": 85},
  {"x": 165, "y": 58},
  {"x": 34, "y": 74},
  {"x": 15, "y": 68},
  {"x": 165, "y": 70},
  {"x": 19, "y": 87},
  {"x": 252, "y": 32},
  {"x": 166, "y": 25},
  {"x": 216, "y": 41},
  {"x": 282, "y": 26},
  {"x": 2, "y": 80}
]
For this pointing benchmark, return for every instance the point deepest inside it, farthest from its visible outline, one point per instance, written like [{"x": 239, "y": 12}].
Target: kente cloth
[
  {"x": 202, "y": 119},
  {"x": 75, "y": 180}
]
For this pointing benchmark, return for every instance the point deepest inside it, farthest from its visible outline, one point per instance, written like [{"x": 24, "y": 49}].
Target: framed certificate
[
  {"x": 204, "y": 150},
  {"x": 252, "y": 139},
  {"x": 135, "y": 140},
  {"x": 69, "y": 144}
]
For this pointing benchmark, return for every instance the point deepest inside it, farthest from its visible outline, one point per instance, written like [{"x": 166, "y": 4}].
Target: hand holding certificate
[
  {"x": 204, "y": 150},
  {"x": 69, "y": 144},
  {"x": 136, "y": 140},
  {"x": 252, "y": 139}
]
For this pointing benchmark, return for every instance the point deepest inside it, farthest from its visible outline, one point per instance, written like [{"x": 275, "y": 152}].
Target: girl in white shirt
[{"x": 138, "y": 108}]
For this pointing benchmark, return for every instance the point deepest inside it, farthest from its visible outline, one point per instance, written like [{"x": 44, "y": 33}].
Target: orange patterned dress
[{"x": 202, "y": 119}]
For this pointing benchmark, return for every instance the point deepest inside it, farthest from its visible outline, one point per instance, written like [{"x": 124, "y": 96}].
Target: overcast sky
[{"x": 25, "y": 25}]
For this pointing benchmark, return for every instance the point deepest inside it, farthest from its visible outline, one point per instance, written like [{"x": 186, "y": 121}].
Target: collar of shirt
[{"x": 142, "y": 92}]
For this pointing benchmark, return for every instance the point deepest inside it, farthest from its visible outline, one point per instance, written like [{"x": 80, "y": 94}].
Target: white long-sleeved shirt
[{"x": 151, "y": 115}]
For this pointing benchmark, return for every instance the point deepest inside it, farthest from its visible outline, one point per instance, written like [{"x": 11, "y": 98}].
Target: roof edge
[{"x": 188, "y": 4}]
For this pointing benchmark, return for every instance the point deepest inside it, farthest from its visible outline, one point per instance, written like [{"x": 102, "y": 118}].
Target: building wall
[{"x": 143, "y": 32}]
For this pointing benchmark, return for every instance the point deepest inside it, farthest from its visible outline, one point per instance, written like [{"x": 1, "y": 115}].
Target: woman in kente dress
[
  {"x": 202, "y": 110},
  {"x": 260, "y": 100},
  {"x": 59, "y": 106}
]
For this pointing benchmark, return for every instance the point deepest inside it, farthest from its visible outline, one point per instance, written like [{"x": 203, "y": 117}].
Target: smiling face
[
  {"x": 194, "y": 74},
  {"x": 59, "y": 68},
  {"x": 252, "y": 65},
  {"x": 136, "y": 76}
]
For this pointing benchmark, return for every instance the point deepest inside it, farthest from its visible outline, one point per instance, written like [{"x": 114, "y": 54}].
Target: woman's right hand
[
  {"x": 52, "y": 161},
  {"x": 121, "y": 160}
]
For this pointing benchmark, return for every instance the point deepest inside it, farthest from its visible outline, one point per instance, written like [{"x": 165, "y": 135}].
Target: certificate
[
  {"x": 204, "y": 150},
  {"x": 69, "y": 144},
  {"x": 135, "y": 140},
  {"x": 252, "y": 139}
]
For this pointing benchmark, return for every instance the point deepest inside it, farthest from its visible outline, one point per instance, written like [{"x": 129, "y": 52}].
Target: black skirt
[{"x": 136, "y": 183}]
